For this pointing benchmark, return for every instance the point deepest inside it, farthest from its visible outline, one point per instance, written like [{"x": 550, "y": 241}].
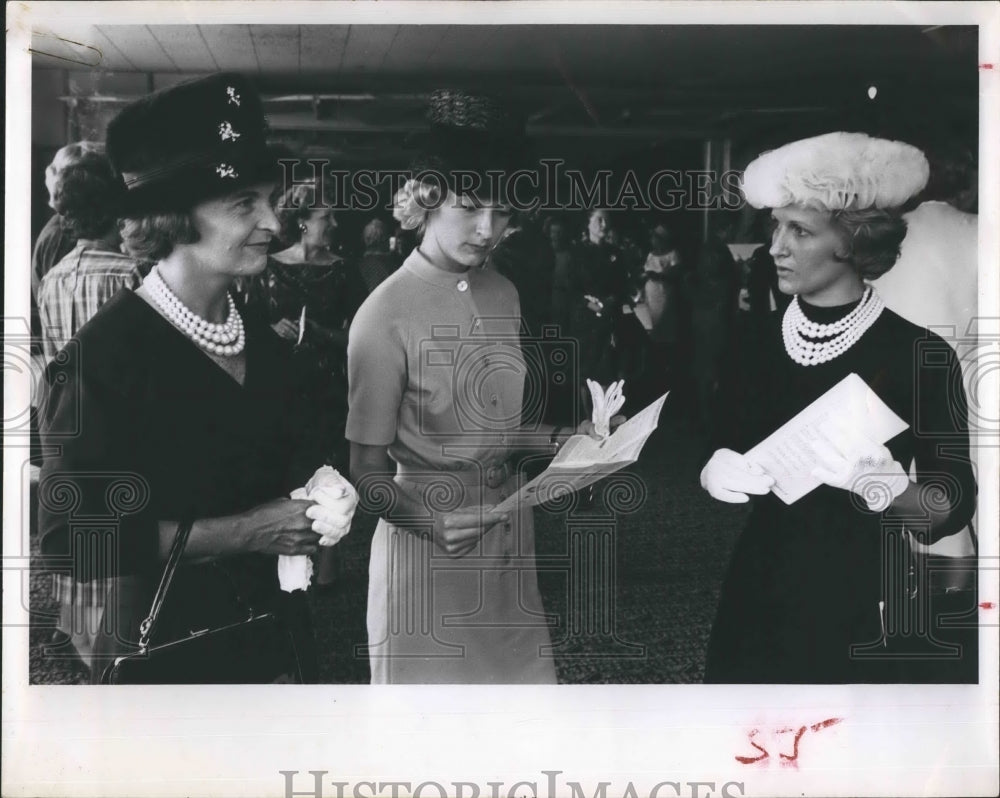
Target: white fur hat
[{"x": 836, "y": 171}]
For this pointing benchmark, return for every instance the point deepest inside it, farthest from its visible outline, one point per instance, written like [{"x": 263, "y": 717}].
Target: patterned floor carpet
[{"x": 634, "y": 604}]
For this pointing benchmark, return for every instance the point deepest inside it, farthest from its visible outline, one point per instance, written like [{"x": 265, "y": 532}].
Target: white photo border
[{"x": 234, "y": 741}]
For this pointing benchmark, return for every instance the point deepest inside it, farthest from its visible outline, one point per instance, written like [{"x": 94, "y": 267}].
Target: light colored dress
[{"x": 436, "y": 374}]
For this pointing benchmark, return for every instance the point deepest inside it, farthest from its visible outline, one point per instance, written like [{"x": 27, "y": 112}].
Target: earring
[{"x": 303, "y": 227}]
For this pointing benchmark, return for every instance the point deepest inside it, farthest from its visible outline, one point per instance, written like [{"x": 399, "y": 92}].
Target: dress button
[{"x": 463, "y": 285}]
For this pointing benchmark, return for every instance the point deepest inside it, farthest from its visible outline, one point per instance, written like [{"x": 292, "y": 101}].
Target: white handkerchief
[{"x": 294, "y": 572}]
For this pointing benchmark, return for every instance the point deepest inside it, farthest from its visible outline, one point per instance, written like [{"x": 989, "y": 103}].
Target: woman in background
[
  {"x": 378, "y": 260},
  {"x": 85, "y": 197},
  {"x": 601, "y": 288},
  {"x": 309, "y": 294},
  {"x": 712, "y": 291}
]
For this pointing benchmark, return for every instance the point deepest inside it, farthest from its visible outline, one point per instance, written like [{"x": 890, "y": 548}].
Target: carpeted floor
[{"x": 633, "y": 604}]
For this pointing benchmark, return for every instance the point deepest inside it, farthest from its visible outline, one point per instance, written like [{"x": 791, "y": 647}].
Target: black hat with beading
[{"x": 191, "y": 142}]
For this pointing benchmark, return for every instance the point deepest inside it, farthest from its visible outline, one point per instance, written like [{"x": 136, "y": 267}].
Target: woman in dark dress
[
  {"x": 601, "y": 287},
  {"x": 815, "y": 588},
  {"x": 308, "y": 295},
  {"x": 167, "y": 407}
]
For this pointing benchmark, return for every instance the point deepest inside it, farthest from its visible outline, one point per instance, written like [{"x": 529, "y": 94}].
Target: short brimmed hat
[
  {"x": 191, "y": 142},
  {"x": 836, "y": 171},
  {"x": 471, "y": 133}
]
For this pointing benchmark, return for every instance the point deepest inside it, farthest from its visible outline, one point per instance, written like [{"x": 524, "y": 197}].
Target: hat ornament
[{"x": 226, "y": 132}]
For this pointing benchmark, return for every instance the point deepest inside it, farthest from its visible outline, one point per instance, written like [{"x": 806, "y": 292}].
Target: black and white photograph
[{"x": 616, "y": 382}]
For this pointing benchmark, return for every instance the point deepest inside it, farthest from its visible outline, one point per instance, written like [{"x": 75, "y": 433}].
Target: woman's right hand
[
  {"x": 280, "y": 527},
  {"x": 287, "y": 329},
  {"x": 730, "y": 477},
  {"x": 458, "y": 531}
]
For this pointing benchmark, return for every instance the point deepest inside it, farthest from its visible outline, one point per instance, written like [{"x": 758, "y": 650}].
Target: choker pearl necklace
[
  {"x": 800, "y": 334},
  {"x": 225, "y": 340}
]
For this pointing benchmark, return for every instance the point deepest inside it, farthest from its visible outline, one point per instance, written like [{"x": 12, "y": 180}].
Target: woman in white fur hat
[{"x": 815, "y": 587}]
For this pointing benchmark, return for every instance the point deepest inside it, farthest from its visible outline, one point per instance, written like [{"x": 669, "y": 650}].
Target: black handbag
[{"x": 258, "y": 650}]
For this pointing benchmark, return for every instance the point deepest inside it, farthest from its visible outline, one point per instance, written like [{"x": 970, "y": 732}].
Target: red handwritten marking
[
  {"x": 791, "y": 758},
  {"x": 748, "y": 760},
  {"x": 986, "y": 66},
  {"x": 785, "y": 759},
  {"x": 988, "y": 605}
]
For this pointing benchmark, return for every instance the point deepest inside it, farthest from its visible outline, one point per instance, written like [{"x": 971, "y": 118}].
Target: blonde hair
[{"x": 413, "y": 201}]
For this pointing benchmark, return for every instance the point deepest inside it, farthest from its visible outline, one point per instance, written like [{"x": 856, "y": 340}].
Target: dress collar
[{"x": 428, "y": 272}]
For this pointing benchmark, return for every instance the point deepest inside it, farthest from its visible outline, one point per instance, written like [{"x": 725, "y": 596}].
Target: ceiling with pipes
[{"x": 592, "y": 93}]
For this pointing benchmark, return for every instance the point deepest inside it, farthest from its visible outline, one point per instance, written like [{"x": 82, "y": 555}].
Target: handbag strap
[{"x": 176, "y": 550}]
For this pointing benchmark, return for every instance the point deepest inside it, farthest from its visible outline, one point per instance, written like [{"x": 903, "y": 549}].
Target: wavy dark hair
[
  {"x": 88, "y": 195},
  {"x": 874, "y": 236},
  {"x": 152, "y": 237}
]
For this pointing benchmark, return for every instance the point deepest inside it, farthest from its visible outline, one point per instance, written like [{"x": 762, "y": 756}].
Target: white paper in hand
[
  {"x": 582, "y": 461},
  {"x": 787, "y": 453}
]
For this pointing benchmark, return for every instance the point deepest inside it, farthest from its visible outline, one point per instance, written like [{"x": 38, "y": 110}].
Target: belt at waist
[{"x": 490, "y": 476}]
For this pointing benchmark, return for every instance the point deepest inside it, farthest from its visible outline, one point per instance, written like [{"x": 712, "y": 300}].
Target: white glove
[
  {"x": 606, "y": 404},
  {"x": 851, "y": 461},
  {"x": 335, "y": 500},
  {"x": 729, "y": 477}
]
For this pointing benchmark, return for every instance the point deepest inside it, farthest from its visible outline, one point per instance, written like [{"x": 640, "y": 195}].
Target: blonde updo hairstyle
[{"x": 414, "y": 201}]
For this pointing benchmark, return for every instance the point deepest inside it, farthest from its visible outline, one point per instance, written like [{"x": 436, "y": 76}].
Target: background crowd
[{"x": 641, "y": 298}]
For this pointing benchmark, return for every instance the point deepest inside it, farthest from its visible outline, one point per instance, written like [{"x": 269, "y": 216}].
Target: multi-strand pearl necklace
[
  {"x": 810, "y": 344},
  {"x": 225, "y": 340}
]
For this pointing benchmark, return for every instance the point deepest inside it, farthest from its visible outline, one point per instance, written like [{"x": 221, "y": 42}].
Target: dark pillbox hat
[
  {"x": 472, "y": 132},
  {"x": 191, "y": 142}
]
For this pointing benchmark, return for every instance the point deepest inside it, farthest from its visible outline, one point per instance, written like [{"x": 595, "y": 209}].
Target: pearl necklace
[
  {"x": 799, "y": 333},
  {"x": 225, "y": 340}
]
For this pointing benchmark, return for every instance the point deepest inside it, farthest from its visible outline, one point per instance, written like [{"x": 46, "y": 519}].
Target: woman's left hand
[
  {"x": 851, "y": 461},
  {"x": 594, "y": 305}
]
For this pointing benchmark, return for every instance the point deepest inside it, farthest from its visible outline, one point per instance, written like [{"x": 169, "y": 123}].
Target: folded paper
[
  {"x": 582, "y": 461},
  {"x": 787, "y": 454}
]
